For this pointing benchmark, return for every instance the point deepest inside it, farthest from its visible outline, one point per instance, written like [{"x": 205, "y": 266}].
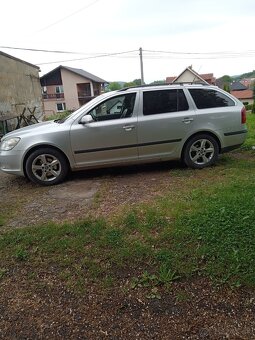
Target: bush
[
  {"x": 253, "y": 108},
  {"x": 58, "y": 115},
  {"x": 248, "y": 106}
]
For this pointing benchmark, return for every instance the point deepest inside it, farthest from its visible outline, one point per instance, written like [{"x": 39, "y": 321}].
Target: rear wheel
[
  {"x": 46, "y": 166},
  {"x": 201, "y": 151}
]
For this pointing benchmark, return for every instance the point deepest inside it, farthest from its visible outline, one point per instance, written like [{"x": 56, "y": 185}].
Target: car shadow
[{"x": 128, "y": 170}]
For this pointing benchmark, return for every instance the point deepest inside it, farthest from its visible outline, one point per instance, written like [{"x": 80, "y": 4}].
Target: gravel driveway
[{"x": 83, "y": 194}]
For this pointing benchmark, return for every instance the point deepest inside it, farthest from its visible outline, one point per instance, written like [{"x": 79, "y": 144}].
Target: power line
[
  {"x": 200, "y": 58},
  {"x": 157, "y": 54},
  {"x": 91, "y": 57},
  {"x": 147, "y": 54},
  {"x": 120, "y": 55},
  {"x": 38, "y": 50},
  {"x": 234, "y": 53},
  {"x": 200, "y": 53}
]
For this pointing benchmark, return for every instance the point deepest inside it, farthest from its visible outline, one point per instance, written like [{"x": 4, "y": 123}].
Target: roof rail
[
  {"x": 164, "y": 84},
  {"x": 138, "y": 86}
]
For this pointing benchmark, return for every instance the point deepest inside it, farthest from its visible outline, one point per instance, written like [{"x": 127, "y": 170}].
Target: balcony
[
  {"x": 84, "y": 94},
  {"x": 53, "y": 95}
]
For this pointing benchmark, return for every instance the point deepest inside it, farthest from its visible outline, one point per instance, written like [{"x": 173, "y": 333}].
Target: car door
[
  {"x": 111, "y": 137},
  {"x": 164, "y": 122}
]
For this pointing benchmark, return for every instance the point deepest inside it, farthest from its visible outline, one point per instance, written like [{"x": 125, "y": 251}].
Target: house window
[
  {"x": 44, "y": 89},
  {"x": 61, "y": 107},
  {"x": 59, "y": 89}
]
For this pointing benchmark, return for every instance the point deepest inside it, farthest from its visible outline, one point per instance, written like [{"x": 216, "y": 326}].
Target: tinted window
[
  {"x": 205, "y": 99},
  {"x": 163, "y": 101},
  {"x": 115, "y": 108}
]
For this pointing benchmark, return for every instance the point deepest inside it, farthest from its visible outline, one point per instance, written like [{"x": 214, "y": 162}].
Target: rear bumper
[
  {"x": 230, "y": 148},
  {"x": 233, "y": 140},
  {"x": 235, "y": 133}
]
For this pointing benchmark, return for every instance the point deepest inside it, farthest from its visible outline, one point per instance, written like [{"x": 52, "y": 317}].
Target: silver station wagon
[{"x": 194, "y": 123}]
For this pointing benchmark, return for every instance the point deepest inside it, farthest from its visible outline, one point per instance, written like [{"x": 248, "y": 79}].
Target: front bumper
[{"x": 11, "y": 162}]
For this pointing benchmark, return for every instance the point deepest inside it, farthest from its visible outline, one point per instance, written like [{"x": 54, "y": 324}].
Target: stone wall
[{"x": 20, "y": 87}]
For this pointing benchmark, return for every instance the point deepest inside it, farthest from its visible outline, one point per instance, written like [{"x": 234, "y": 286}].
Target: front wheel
[
  {"x": 46, "y": 166},
  {"x": 201, "y": 151}
]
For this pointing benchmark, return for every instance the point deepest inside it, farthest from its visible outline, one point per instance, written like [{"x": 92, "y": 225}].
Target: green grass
[
  {"x": 219, "y": 238},
  {"x": 206, "y": 228},
  {"x": 250, "y": 141}
]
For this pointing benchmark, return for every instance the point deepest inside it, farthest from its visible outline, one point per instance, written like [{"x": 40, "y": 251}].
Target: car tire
[
  {"x": 46, "y": 166},
  {"x": 201, "y": 151}
]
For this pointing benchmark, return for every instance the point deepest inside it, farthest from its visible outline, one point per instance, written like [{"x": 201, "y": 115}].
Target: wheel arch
[
  {"x": 201, "y": 133},
  {"x": 42, "y": 146}
]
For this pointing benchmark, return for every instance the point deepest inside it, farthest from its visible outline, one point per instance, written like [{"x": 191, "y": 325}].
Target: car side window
[
  {"x": 114, "y": 108},
  {"x": 164, "y": 101},
  {"x": 208, "y": 98}
]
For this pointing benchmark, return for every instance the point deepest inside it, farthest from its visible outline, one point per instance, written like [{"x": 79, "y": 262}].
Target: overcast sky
[{"x": 214, "y": 36}]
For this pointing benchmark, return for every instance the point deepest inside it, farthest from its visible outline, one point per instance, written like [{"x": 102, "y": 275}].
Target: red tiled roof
[
  {"x": 207, "y": 77},
  {"x": 245, "y": 94},
  {"x": 169, "y": 80}
]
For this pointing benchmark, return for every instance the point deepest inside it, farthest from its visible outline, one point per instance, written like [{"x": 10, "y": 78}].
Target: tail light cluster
[{"x": 243, "y": 115}]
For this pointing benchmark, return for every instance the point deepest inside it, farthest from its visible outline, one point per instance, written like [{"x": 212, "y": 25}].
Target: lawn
[{"x": 206, "y": 229}]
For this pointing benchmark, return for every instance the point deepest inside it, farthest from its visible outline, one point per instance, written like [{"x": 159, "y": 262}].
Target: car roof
[{"x": 167, "y": 86}]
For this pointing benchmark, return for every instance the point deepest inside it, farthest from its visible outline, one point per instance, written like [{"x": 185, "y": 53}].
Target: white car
[{"x": 193, "y": 123}]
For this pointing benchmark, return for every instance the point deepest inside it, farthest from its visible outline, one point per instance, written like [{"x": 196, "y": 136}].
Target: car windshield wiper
[{"x": 59, "y": 121}]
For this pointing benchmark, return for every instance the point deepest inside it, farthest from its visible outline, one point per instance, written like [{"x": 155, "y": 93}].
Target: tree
[
  {"x": 226, "y": 79},
  {"x": 135, "y": 82},
  {"x": 158, "y": 82},
  {"x": 114, "y": 86},
  {"x": 226, "y": 87}
]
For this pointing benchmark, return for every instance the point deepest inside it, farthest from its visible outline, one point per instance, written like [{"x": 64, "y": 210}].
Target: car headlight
[{"x": 9, "y": 143}]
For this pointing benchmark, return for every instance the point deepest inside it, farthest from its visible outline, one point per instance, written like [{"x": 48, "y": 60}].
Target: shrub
[
  {"x": 58, "y": 115},
  {"x": 248, "y": 106}
]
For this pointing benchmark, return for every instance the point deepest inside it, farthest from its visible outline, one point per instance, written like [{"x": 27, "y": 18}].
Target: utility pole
[{"x": 141, "y": 64}]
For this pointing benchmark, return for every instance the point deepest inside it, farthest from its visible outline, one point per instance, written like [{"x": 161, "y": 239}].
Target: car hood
[{"x": 31, "y": 129}]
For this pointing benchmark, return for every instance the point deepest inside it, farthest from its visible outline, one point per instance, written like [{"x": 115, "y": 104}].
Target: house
[
  {"x": 245, "y": 96},
  {"x": 241, "y": 92},
  {"x": 237, "y": 86},
  {"x": 248, "y": 82},
  {"x": 67, "y": 88},
  {"x": 191, "y": 76},
  {"x": 20, "y": 89}
]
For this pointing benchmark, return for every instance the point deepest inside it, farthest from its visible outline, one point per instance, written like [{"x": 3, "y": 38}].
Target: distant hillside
[
  {"x": 244, "y": 75},
  {"x": 226, "y": 80}
]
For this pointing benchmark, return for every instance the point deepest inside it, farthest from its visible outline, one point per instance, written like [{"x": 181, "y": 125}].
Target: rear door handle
[
  {"x": 187, "y": 120},
  {"x": 128, "y": 127}
]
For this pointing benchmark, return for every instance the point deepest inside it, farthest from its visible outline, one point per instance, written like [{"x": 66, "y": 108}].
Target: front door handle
[
  {"x": 187, "y": 120},
  {"x": 128, "y": 127}
]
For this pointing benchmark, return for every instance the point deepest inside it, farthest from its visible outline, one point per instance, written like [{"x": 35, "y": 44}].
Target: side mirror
[{"x": 86, "y": 119}]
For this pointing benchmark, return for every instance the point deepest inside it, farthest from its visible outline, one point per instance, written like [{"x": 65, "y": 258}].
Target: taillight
[{"x": 243, "y": 115}]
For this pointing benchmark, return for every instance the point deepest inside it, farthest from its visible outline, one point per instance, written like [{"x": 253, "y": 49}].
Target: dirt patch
[
  {"x": 91, "y": 193},
  {"x": 30, "y": 204},
  {"x": 47, "y": 310}
]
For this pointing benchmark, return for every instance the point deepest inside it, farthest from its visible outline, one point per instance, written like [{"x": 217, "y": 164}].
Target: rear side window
[
  {"x": 163, "y": 101},
  {"x": 207, "y": 98}
]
